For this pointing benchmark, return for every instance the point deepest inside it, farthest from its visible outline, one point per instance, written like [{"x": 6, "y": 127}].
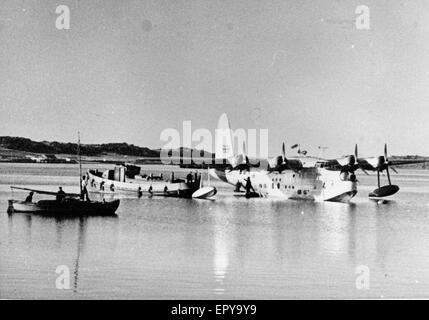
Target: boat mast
[{"x": 80, "y": 161}]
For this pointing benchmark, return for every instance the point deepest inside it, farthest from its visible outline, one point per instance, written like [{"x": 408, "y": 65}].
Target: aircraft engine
[
  {"x": 275, "y": 162},
  {"x": 380, "y": 161},
  {"x": 352, "y": 160},
  {"x": 347, "y": 161}
]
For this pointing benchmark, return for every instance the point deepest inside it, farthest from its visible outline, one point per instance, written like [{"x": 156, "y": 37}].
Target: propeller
[
  {"x": 385, "y": 152},
  {"x": 386, "y": 161},
  {"x": 245, "y": 153},
  {"x": 284, "y": 154},
  {"x": 357, "y": 160},
  {"x": 356, "y": 152},
  {"x": 349, "y": 163},
  {"x": 246, "y": 158},
  {"x": 279, "y": 163}
]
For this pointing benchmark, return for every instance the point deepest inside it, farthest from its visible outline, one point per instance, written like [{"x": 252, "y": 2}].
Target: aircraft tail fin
[{"x": 225, "y": 142}]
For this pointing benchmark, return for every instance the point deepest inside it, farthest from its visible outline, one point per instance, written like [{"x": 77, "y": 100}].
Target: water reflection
[
  {"x": 337, "y": 229},
  {"x": 383, "y": 230},
  {"x": 352, "y": 234},
  {"x": 80, "y": 248},
  {"x": 10, "y": 228},
  {"x": 223, "y": 243},
  {"x": 27, "y": 221},
  {"x": 66, "y": 240},
  {"x": 59, "y": 223}
]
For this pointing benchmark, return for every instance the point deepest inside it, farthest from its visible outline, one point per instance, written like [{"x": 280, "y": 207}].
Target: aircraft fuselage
[{"x": 311, "y": 183}]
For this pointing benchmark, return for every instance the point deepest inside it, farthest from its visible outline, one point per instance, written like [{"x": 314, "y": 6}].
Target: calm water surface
[{"x": 229, "y": 248}]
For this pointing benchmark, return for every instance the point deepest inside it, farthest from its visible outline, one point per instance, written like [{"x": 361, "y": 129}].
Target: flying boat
[{"x": 304, "y": 177}]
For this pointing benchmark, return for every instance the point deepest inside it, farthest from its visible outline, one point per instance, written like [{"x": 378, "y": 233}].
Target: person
[
  {"x": 84, "y": 190},
  {"x": 189, "y": 177},
  {"x": 249, "y": 187},
  {"x": 29, "y": 197},
  {"x": 237, "y": 186},
  {"x": 60, "y": 194}
]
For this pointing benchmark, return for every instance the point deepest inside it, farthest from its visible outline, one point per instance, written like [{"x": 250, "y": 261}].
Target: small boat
[
  {"x": 123, "y": 180},
  {"x": 205, "y": 192},
  {"x": 70, "y": 205}
]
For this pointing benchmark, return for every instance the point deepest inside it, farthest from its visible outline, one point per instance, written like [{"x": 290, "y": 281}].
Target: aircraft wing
[
  {"x": 342, "y": 164},
  {"x": 370, "y": 164},
  {"x": 330, "y": 163},
  {"x": 400, "y": 162}
]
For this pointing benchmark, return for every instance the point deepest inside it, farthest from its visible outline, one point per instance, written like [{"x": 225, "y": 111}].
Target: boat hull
[
  {"x": 138, "y": 188},
  {"x": 65, "y": 207},
  {"x": 204, "y": 193}
]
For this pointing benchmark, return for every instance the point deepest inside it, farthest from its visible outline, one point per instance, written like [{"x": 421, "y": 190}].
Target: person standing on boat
[
  {"x": 189, "y": 177},
  {"x": 249, "y": 187},
  {"x": 29, "y": 197},
  {"x": 83, "y": 189},
  {"x": 61, "y": 195}
]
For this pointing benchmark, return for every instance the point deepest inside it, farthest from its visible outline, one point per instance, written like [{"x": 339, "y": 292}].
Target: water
[{"x": 230, "y": 248}]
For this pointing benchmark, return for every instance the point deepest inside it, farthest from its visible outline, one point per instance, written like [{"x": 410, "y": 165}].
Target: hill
[
  {"x": 45, "y": 147},
  {"x": 19, "y": 149}
]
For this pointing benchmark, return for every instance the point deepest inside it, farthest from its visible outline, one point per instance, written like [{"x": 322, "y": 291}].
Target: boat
[
  {"x": 70, "y": 205},
  {"x": 127, "y": 179},
  {"x": 205, "y": 192}
]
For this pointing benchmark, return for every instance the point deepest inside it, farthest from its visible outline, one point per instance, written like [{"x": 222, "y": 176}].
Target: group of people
[
  {"x": 190, "y": 177},
  {"x": 61, "y": 195}
]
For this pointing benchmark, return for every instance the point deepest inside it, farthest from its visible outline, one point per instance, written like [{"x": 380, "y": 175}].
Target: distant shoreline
[
  {"x": 115, "y": 159},
  {"x": 23, "y": 150}
]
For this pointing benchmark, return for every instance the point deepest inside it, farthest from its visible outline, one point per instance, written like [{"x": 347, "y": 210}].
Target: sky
[{"x": 127, "y": 70}]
